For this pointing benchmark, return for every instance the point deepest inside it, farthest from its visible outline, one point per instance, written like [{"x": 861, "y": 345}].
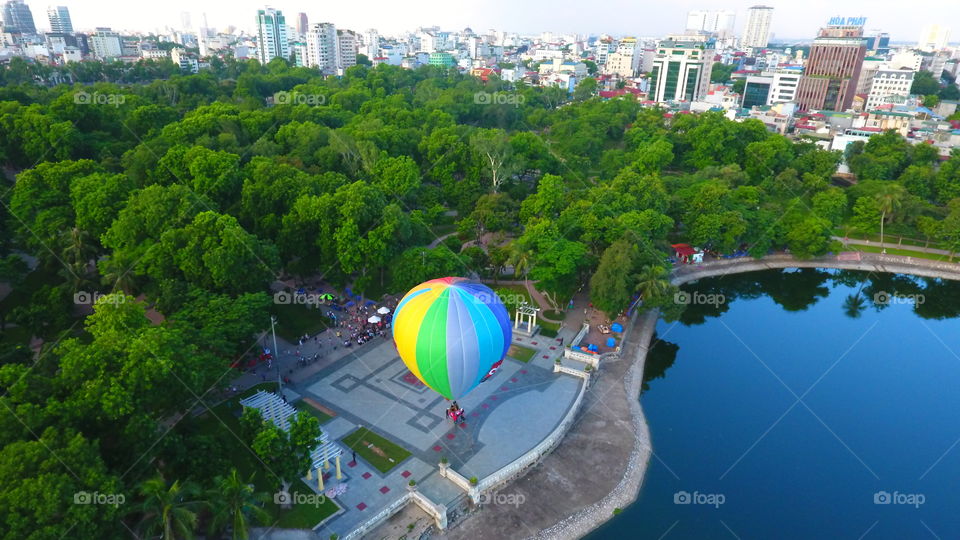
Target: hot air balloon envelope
[{"x": 450, "y": 332}]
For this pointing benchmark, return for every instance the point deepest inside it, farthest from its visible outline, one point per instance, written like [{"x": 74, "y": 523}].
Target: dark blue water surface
[{"x": 795, "y": 419}]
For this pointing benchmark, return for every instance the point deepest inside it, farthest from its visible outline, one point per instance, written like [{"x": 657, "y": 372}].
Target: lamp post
[{"x": 273, "y": 321}]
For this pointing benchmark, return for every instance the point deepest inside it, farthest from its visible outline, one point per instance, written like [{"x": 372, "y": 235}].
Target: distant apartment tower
[
  {"x": 17, "y": 16},
  {"x": 60, "y": 20},
  {"x": 322, "y": 48},
  {"x": 757, "y": 32},
  {"x": 934, "y": 37},
  {"x": 625, "y": 62},
  {"x": 303, "y": 24},
  {"x": 718, "y": 22},
  {"x": 681, "y": 70},
  {"x": 832, "y": 72},
  {"x": 890, "y": 86},
  {"x": 347, "y": 47},
  {"x": 105, "y": 43},
  {"x": 272, "y": 39},
  {"x": 371, "y": 44}
]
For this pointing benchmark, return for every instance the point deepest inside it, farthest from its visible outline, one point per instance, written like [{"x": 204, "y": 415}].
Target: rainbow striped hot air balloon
[{"x": 450, "y": 332}]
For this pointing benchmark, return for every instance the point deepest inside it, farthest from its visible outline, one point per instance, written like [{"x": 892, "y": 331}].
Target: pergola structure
[
  {"x": 527, "y": 317},
  {"x": 274, "y": 409}
]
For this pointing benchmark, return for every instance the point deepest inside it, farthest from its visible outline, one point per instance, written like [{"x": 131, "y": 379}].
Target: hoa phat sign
[{"x": 848, "y": 21}]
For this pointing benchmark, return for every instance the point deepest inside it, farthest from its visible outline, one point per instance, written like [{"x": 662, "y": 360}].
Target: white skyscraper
[
  {"x": 934, "y": 37},
  {"x": 347, "y": 47},
  {"x": 272, "y": 39},
  {"x": 60, "y": 20},
  {"x": 718, "y": 22},
  {"x": 323, "y": 48},
  {"x": 371, "y": 44},
  {"x": 757, "y": 32}
]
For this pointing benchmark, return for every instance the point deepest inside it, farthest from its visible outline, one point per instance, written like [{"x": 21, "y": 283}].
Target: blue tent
[
  {"x": 616, "y": 327},
  {"x": 611, "y": 342}
]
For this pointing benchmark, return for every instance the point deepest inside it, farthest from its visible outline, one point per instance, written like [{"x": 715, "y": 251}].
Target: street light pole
[{"x": 276, "y": 352}]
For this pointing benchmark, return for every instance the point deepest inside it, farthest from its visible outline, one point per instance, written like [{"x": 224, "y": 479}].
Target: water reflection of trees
[
  {"x": 797, "y": 290},
  {"x": 661, "y": 356}
]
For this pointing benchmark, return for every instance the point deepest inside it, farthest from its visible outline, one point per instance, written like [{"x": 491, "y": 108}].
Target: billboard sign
[{"x": 847, "y": 21}]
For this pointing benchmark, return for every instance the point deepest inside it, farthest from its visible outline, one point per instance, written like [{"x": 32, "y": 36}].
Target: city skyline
[{"x": 790, "y": 21}]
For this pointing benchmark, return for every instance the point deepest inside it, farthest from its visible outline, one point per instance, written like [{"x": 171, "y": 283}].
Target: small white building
[{"x": 889, "y": 86}]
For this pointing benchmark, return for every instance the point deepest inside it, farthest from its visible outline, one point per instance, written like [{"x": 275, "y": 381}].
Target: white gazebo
[
  {"x": 525, "y": 319},
  {"x": 274, "y": 409}
]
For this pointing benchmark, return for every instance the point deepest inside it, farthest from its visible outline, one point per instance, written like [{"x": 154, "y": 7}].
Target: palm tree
[
  {"x": 889, "y": 198},
  {"x": 521, "y": 259},
  {"x": 165, "y": 511},
  {"x": 117, "y": 275},
  {"x": 77, "y": 249},
  {"x": 236, "y": 504},
  {"x": 652, "y": 282},
  {"x": 854, "y": 304}
]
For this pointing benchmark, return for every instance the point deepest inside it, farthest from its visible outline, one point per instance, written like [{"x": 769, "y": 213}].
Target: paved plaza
[{"x": 371, "y": 387}]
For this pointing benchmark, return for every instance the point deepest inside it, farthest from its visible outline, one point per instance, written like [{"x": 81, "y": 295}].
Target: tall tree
[
  {"x": 167, "y": 511},
  {"x": 235, "y": 503}
]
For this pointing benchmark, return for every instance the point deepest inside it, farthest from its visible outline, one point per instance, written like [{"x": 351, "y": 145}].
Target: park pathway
[
  {"x": 536, "y": 295},
  {"x": 854, "y": 242}
]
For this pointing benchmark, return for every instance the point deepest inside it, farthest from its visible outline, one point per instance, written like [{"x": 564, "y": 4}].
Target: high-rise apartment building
[
  {"x": 371, "y": 44},
  {"x": 934, "y": 37},
  {"x": 322, "y": 48},
  {"x": 347, "y": 47},
  {"x": 303, "y": 24},
  {"x": 832, "y": 72},
  {"x": 718, "y": 22},
  {"x": 17, "y": 16},
  {"x": 681, "y": 70},
  {"x": 757, "y": 32},
  {"x": 625, "y": 61},
  {"x": 60, "y": 20},
  {"x": 272, "y": 39},
  {"x": 105, "y": 43}
]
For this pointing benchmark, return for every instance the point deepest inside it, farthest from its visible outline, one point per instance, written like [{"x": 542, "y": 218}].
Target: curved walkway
[
  {"x": 536, "y": 295},
  {"x": 601, "y": 463}
]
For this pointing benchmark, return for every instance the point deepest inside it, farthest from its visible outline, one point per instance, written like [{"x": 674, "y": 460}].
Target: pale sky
[{"x": 792, "y": 19}]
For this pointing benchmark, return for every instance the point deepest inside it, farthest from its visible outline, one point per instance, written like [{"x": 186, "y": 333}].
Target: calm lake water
[{"x": 778, "y": 415}]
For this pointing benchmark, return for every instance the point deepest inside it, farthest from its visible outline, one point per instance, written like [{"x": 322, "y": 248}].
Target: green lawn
[
  {"x": 548, "y": 328},
  {"x": 903, "y": 252},
  {"x": 521, "y": 353},
  {"x": 301, "y": 516},
  {"x": 295, "y": 320},
  {"x": 360, "y": 440},
  {"x": 555, "y": 315}
]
